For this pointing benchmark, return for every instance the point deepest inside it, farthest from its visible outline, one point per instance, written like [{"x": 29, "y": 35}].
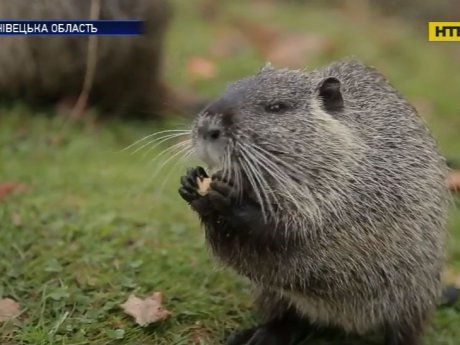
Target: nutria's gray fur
[
  {"x": 352, "y": 233},
  {"x": 47, "y": 69}
]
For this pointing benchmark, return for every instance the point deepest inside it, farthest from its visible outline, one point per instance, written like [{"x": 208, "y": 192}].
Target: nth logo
[{"x": 443, "y": 31}]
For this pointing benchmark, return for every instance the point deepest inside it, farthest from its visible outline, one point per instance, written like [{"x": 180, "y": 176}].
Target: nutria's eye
[{"x": 277, "y": 107}]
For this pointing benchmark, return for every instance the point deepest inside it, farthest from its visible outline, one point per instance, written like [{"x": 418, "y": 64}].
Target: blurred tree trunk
[{"x": 49, "y": 69}]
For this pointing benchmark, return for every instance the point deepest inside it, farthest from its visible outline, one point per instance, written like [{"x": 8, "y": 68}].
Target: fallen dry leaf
[
  {"x": 453, "y": 181},
  {"x": 263, "y": 37},
  {"x": 358, "y": 10},
  {"x": 284, "y": 48},
  {"x": 183, "y": 101},
  {"x": 295, "y": 49},
  {"x": 229, "y": 43},
  {"x": 199, "y": 334},
  {"x": 200, "y": 67},
  {"x": 146, "y": 311},
  {"x": 6, "y": 188},
  {"x": 209, "y": 10},
  {"x": 9, "y": 309}
]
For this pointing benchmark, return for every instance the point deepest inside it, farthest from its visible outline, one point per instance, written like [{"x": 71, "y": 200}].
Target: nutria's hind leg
[
  {"x": 405, "y": 333},
  {"x": 241, "y": 337},
  {"x": 402, "y": 338},
  {"x": 284, "y": 331},
  {"x": 282, "y": 325}
]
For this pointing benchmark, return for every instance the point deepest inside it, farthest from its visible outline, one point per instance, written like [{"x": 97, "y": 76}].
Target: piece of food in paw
[{"x": 203, "y": 185}]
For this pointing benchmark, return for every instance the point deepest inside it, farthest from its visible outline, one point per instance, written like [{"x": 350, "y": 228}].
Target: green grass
[
  {"x": 93, "y": 225},
  {"x": 92, "y": 230}
]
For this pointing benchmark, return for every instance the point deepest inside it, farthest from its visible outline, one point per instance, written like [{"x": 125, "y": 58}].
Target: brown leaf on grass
[
  {"x": 263, "y": 37},
  {"x": 6, "y": 188},
  {"x": 453, "y": 181},
  {"x": 200, "y": 67},
  {"x": 209, "y": 10},
  {"x": 9, "y": 309},
  {"x": 182, "y": 101},
  {"x": 146, "y": 311},
  {"x": 230, "y": 43},
  {"x": 199, "y": 334},
  {"x": 284, "y": 48},
  {"x": 295, "y": 49}
]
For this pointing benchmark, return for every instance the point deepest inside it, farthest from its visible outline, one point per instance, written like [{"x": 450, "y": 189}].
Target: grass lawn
[{"x": 93, "y": 224}]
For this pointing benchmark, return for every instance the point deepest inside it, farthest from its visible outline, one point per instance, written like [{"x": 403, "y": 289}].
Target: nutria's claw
[
  {"x": 192, "y": 176},
  {"x": 222, "y": 196},
  {"x": 219, "y": 202},
  {"x": 222, "y": 188},
  {"x": 221, "y": 176},
  {"x": 187, "y": 195},
  {"x": 189, "y": 189}
]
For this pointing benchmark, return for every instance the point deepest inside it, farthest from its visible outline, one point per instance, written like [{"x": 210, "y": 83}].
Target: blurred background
[{"x": 86, "y": 219}]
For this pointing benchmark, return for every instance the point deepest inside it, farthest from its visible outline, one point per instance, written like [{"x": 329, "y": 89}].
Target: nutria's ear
[
  {"x": 330, "y": 94},
  {"x": 267, "y": 68}
]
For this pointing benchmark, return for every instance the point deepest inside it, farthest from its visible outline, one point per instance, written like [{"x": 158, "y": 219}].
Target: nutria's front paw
[
  {"x": 189, "y": 191},
  {"x": 189, "y": 184},
  {"x": 219, "y": 199},
  {"x": 222, "y": 194}
]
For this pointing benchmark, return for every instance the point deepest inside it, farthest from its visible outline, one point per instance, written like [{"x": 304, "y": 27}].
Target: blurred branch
[{"x": 91, "y": 62}]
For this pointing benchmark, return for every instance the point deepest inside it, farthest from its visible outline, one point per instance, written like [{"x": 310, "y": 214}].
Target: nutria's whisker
[
  {"x": 180, "y": 150},
  {"x": 137, "y": 142},
  {"x": 270, "y": 155},
  {"x": 254, "y": 186},
  {"x": 283, "y": 179},
  {"x": 263, "y": 188},
  {"x": 227, "y": 165},
  {"x": 180, "y": 159},
  {"x": 264, "y": 164},
  {"x": 158, "y": 141},
  {"x": 239, "y": 181},
  {"x": 234, "y": 179},
  {"x": 173, "y": 149},
  {"x": 184, "y": 147}
]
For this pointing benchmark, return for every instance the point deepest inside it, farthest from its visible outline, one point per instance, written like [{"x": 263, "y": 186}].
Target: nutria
[{"x": 329, "y": 195}]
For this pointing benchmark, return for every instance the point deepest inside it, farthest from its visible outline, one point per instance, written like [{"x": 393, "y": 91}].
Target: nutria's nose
[
  {"x": 213, "y": 134},
  {"x": 210, "y": 133}
]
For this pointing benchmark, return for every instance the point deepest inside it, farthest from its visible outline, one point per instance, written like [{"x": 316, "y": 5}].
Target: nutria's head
[
  {"x": 334, "y": 148},
  {"x": 276, "y": 130},
  {"x": 271, "y": 108}
]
